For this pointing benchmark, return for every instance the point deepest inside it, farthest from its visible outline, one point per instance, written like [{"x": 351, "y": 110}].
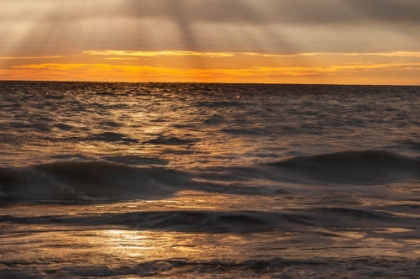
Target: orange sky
[{"x": 264, "y": 41}]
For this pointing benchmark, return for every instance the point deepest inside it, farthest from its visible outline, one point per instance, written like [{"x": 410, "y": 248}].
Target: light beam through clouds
[{"x": 276, "y": 41}]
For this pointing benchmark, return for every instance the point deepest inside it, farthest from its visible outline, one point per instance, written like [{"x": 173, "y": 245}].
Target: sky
[{"x": 256, "y": 41}]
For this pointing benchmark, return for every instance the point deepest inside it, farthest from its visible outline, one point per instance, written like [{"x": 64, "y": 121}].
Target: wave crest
[{"x": 88, "y": 181}]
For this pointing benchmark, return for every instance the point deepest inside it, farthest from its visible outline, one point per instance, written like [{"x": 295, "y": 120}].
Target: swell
[
  {"x": 100, "y": 180},
  {"x": 349, "y": 167},
  {"x": 106, "y": 181},
  {"x": 307, "y": 220}
]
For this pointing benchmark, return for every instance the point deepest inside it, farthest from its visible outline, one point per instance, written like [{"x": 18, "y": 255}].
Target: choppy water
[{"x": 209, "y": 180}]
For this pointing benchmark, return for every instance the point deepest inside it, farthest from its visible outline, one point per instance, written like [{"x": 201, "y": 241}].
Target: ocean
[{"x": 184, "y": 180}]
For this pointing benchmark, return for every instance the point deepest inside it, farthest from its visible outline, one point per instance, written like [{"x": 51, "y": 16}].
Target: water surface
[{"x": 209, "y": 180}]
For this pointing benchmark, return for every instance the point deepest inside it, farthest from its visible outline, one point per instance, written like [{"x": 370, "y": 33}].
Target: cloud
[
  {"x": 231, "y": 11},
  {"x": 61, "y": 27},
  {"x": 391, "y": 73},
  {"x": 27, "y": 58},
  {"x": 155, "y": 53}
]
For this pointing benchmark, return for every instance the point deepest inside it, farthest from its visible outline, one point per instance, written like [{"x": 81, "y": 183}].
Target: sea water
[{"x": 209, "y": 180}]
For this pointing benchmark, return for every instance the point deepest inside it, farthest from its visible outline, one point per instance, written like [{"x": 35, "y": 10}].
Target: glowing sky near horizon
[{"x": 273, "y": 41}]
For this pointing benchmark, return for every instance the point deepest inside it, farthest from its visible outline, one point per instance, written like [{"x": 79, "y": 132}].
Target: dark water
[{"x": 209, "y": 180}]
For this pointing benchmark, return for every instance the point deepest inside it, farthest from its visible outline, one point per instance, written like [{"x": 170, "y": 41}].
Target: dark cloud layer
[
  {"x": 46, "y": 27},
  {"x": 277, "y": 11},
  {"x": 234, "y": 11}
]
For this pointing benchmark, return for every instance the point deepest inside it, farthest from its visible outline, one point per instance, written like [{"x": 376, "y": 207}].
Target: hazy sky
[{"x": 300, "y": 41}]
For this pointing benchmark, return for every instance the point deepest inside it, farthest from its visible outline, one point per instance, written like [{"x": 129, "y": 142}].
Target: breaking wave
[
  {"x": 88, "y": 181},
  {"x": 120, "y": 179},
  {"x": 102, "y": 181}
]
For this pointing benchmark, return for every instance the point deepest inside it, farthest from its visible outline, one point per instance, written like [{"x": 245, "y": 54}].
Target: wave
[
  {"x": 215, "y": 119},
  {"x": 135, "y": 160},
  {"x": 234, "y": 267},
  {"x": 73, "y": 181},
  {"x": 350, "y": 167},
  {"x": 162, "y": 140},
  {"x": 256, "y": 268},
  {"x": 206, "y": 221},
  {"x": 219, "y": 104},
  {"x": 130, "y": 178},
  {"x": 111, "y": 137},
  {"x": 119, "y": 178}
]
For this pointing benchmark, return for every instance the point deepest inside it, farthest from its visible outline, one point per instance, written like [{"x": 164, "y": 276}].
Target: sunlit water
[{"x": 207, "y": 180}]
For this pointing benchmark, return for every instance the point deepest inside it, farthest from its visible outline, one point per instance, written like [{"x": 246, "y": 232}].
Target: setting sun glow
[{"x": 209, "y": 41}]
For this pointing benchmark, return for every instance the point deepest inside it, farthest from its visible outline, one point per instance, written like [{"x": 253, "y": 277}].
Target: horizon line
[{"x": 204, "y": 82}]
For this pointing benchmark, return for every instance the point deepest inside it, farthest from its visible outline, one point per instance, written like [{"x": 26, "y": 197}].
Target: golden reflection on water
[
  {"x": 125, "y": 242},
  {"x": 158, "y": 245},
  {"x": 394, "y": 230}
]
